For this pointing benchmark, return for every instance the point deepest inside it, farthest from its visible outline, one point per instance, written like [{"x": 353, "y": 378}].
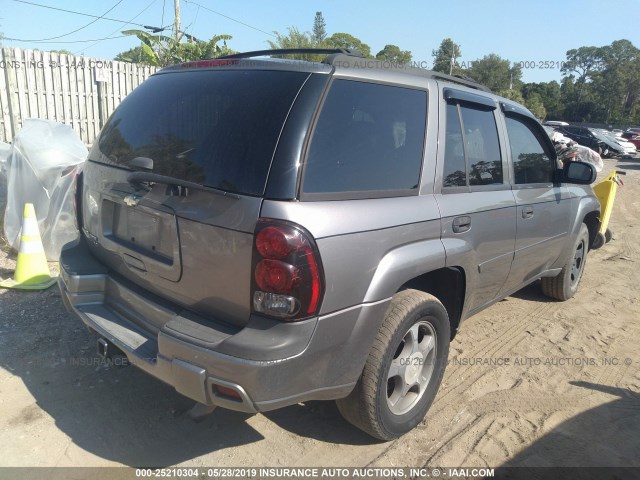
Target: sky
[{"x": 527, "y": 31}]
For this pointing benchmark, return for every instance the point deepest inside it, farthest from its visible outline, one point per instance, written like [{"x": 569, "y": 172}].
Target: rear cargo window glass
[
  {"x": 217, "y": 128},
  {"x": 369, "y": 137},
  {"x": 531, "y": 163}
]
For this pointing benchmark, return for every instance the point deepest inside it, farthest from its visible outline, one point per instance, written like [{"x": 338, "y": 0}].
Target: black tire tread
[
  {"x": 556, "y": 287},
  {"x": 359, "y": 407}
]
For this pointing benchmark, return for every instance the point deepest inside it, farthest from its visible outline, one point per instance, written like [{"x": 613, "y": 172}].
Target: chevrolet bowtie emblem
[{"x": 131, "y": 200}]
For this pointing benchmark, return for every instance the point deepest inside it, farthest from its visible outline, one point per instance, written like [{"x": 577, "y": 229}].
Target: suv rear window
[
  {"x": 217, "y": 128},
  {"x": 369, "y": 138}
]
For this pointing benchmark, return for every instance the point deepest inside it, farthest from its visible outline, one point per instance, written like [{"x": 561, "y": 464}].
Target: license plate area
[
  {"x": 143, "y": 231},
  {"x": 146, "y": 239}
]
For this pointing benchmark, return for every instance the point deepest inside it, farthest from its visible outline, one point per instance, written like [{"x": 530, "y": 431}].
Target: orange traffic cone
[{"x": 32, "y": 269}]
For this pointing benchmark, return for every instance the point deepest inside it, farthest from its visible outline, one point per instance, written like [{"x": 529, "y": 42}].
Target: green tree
[
  {"x": 585, "y": 62},
  {"x": 618, "y": 83},
  {"x": 347, "y": 41},
  {"x": 135, "y": 55},
  {"x": 579, "y": 106},
  {"x": 511, "y": 94},
  {"x": 550, "y": 96},
  {"x": 496, "y": 73},
  {"x": 295, "y": 39},
  {"x": 319, "y": 29},
  {"x": 392, "y": 53},
  {"x": 160, "y": 50},
  {"x": 446, "y": 56},
  {"x": 602, "y": 84},
  {"x": 535, "y": 105}
]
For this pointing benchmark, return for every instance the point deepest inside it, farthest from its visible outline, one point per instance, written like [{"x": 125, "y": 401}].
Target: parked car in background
[
  {"x": 617, "y": 132},
  {"x": 555, "y": 123},
  {"x": 612, "y": 144},
  {"x": 635, "y": 140},
  {"x": 632, "y": 135},
  {"x": 555, "y": 135},
  {"x": 583, "y": 136}
]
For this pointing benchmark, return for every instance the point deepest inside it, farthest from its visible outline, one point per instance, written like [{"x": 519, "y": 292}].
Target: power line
[
  {"x": 76, "y": 41},
  {"x": 130, "y": 22},
  {"x": 66, "y": 34},
  {"x": 76, "y": 13},
  {"x": 230, "y": 18}
]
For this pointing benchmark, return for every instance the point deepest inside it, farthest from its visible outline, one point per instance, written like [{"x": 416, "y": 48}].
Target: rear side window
[
  {"x": 455, "y": 170},
  {"x": 369, "y": 138},
  {"x": 217, "y": 128},
  {"x": 481, "y": 146},
  {"x": 531, "y": 162},
  {"x": 472, "y": 150}
]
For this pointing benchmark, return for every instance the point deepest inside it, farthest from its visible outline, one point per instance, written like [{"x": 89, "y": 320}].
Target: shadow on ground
[
  {"x": 532, "y": 293},
  {"x": 606, "y": 436},
  {"x": 628, "y": 164},
  {"x": 120, "y": 413}
]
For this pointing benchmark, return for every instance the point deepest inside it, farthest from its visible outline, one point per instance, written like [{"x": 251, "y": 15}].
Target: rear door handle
[
  {"x": 461, "y": 224},
  {"x": 527, "y": 212}
]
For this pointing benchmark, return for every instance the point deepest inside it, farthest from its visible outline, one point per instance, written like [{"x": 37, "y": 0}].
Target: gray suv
[{"x": 262, "y": 232}]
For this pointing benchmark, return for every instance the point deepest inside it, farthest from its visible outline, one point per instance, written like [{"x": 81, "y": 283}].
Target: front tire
[
  {"x": 404, "y": 368},
  {"x": 565, "y": 285}
]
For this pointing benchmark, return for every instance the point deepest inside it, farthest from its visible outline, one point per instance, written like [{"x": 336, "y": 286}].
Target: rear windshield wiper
[{"x": 139, "y": 179}]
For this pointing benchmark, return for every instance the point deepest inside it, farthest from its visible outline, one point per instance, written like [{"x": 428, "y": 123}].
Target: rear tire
[
  {"x": 404, "y": 368},
  {"x": 565, "y": 285}
]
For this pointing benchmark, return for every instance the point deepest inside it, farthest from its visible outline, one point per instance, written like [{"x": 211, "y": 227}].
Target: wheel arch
[{"x": 447, "y": 284}]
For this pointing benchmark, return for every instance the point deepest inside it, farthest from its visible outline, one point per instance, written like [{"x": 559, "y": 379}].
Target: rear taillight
[{"x": 287, "y": 273}]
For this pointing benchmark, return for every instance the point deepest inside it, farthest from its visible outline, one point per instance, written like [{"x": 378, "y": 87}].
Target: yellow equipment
[{"x": 606, "y": 193}]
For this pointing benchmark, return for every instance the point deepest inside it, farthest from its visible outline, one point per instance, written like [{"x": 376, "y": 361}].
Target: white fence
[{"x": 78, "y": 91}]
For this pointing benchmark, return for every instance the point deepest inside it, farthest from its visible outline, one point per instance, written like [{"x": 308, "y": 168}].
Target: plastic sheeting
[
  {"x": 585, "y": 154},
  {"x": 44, "y": 159},
  {"x": 4, "y": 166}
]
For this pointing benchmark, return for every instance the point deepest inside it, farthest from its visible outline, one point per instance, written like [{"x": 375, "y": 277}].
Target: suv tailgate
[{"x": 191, "y": 246}]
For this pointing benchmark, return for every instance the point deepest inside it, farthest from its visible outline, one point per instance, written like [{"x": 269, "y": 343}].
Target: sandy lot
[{"x": 531, "y": 382}]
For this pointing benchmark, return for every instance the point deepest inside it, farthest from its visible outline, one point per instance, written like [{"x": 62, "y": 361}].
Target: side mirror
[{"x": 580, "y": 173}]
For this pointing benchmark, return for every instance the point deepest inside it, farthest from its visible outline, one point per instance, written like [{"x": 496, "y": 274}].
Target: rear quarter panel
[{"x": 369, "y": 248}]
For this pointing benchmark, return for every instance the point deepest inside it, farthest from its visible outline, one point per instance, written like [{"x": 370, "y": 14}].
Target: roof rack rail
[
  {"x": 335, "y": 53},
  {"x": 289, "y": 51},
  {"x": 459, "y": 79}
]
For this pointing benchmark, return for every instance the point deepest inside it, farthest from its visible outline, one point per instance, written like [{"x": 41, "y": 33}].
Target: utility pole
[
  {"x": 453, "y": 58},
  {"x": 176, "y": 22}
]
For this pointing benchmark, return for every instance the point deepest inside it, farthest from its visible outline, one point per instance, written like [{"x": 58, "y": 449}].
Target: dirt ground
[{"x": 531, "y": 382}]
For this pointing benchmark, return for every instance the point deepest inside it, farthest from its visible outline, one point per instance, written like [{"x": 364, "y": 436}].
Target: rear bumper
[{"x": 268, "y": 364}]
